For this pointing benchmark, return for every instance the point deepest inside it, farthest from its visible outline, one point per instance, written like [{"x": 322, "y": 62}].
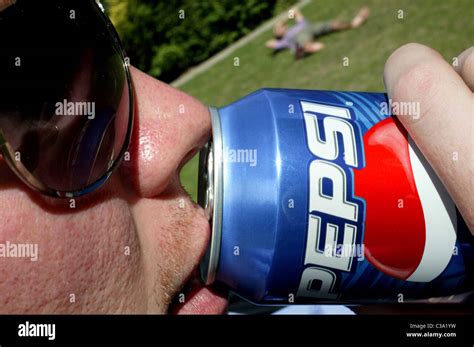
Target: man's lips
[{"x": 196, "y": 298}]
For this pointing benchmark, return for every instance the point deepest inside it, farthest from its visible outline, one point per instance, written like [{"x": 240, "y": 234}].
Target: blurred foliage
[{"x": 165, "y": 38}]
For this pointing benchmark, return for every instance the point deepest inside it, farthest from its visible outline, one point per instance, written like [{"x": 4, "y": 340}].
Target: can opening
[
  {"x": 210, "y": 196},
  {"x": 206, "y": 179}
]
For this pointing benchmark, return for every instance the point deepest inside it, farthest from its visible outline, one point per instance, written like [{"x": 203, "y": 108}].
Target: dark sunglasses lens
[{"x": 64, "y": 93}]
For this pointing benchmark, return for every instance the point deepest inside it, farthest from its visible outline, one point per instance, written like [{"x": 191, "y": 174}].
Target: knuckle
[
  {"x": 468, "y": 65},
  {"x": 418, "y": 84},
  {"x": 404, "y": 50}
]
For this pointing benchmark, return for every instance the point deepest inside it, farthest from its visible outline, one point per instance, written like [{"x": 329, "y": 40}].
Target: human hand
[{"x": 444, "y": 129}]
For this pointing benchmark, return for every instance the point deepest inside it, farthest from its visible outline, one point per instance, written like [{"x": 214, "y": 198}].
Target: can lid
[{"x": 210, "y": 196}]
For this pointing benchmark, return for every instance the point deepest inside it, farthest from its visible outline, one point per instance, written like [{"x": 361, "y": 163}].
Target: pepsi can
[{"x": 321, "y": 196}]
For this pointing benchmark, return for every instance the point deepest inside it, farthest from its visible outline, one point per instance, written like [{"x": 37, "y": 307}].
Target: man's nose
[{"x": 169, "y": 127}]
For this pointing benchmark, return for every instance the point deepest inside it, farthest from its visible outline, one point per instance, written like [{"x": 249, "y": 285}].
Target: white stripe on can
[{"x": 440, "y": 219}]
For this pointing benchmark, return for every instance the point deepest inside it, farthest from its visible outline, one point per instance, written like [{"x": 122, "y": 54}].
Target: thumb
[{"x": 443, "y": 129}]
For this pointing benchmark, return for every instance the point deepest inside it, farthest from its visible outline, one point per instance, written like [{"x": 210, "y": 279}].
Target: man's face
[
  {"x": 132, "y": 245},
  {"x": 279, "y": 31}
]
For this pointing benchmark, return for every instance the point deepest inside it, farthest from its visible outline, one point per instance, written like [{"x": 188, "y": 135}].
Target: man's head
[
  {"x": 279, "y": 31},
  {"x": 130, "y": 246},
  {"x": 278, "y": 43}
]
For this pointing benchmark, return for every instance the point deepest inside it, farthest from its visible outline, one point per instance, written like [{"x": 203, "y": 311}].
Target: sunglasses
[{"x": 66, "y": 106}]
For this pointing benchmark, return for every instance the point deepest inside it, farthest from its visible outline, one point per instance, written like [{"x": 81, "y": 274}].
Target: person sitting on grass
[{"x": 300, "y": 39}]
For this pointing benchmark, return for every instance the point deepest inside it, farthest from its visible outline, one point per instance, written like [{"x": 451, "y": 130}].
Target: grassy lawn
[{"x": 444, "y": 25}]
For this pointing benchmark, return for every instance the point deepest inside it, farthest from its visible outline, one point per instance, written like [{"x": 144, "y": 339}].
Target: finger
[
  {"x": 443, "y": 129},
  {"x": 464, "y": 66}
]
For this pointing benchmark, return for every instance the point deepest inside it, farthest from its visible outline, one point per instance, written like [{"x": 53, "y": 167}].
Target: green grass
[{"x": 444, "y": 25}]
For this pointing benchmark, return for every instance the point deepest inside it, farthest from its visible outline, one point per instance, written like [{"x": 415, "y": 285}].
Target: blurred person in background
[{"x": 300, "y": 38}]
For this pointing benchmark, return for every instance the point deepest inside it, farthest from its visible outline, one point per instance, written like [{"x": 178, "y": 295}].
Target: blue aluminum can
[{"x": 321, "y": 196}]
